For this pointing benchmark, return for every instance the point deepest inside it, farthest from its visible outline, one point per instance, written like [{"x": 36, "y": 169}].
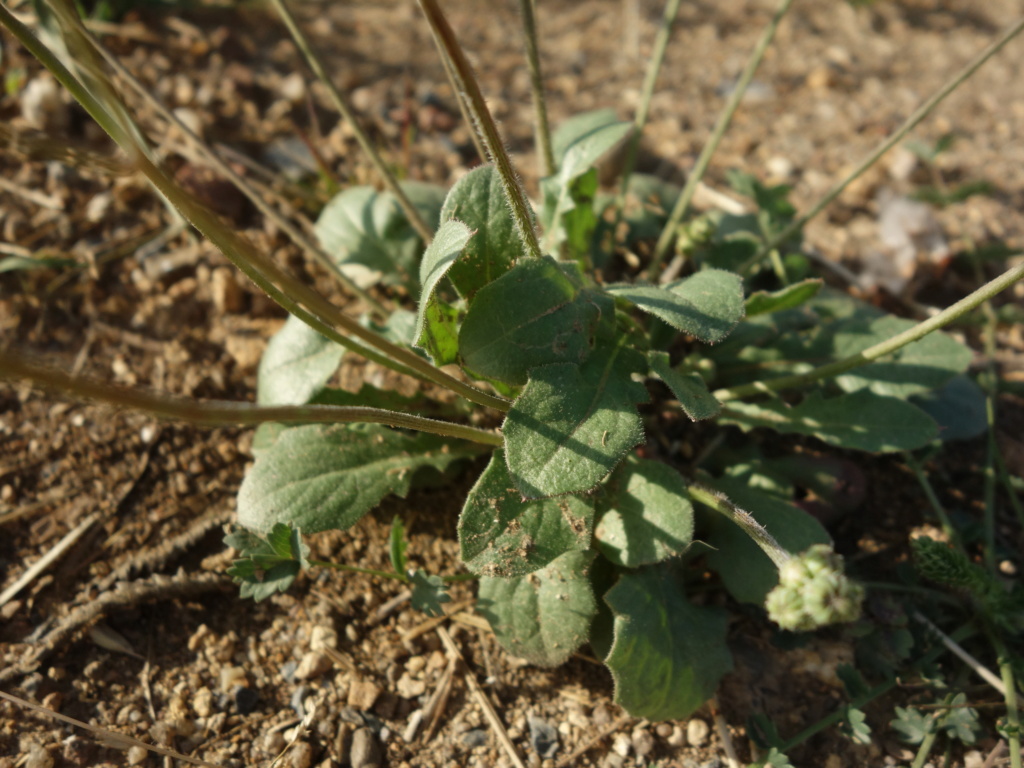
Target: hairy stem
[
  {"x": 283, "y": 288},
  {"x": 218, "y": 413},
  {"x": 911, "y": 122},
  {"x": 342, "y": 104},
  {"x": 541, "y": 130},
  {"x": 668, "y": 20},
  {"x": 718, "y": 501},
  {"x": 721, "y": 126},
  {"x": 881, "y": 349},
  {"x": 468, "y": 86},
  {"x": 1010, "y": 697}
]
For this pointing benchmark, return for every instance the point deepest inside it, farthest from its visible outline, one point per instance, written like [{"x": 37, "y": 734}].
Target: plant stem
[
  {"x": 668, "y": 20},
  {"x": 215, "y": 413},
  {"x": 293, "y": 232},
  {"x": 342, "y": 104},
  {"x": 911, "y": 122},
  {"x": 541, "y": 130},
  {"x": 881, "y": 349},
  {"x": 933, "y": 500},
  {"x": 460, "y": 99},
  {"x": 467, "y": 84},
  {"x": 718, "y": 501},
  {"x": 283, "y": 288},
  {"x": 390, "y": 575},
  {"x": 721, "y": 126},
  {"x": 1010, "y": 696},
  {"x": 929, "y": 738}
]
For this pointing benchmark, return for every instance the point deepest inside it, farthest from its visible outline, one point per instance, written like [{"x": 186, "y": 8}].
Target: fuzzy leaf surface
[
  {"x": 429, "y": 593},
  {"x": 296, "y": 365},
  {"x": 744, "y": 568},
  {"x": 561, "y": 192},
  {"x": 576, "y": 127},
  {"x": 502, "y": 535},
  {"x": 319, "y": 477},
  {"x": 436, "y": 330},
  {"x": 532, "y": 315},
  {"x": 668, "y": 655},
  {"x": 762, "y": 302},
  {"x": 366, "y": 227},
  {"x": 919, "y": 367},
  {"x": 862, "y": 420},
  {"x": 545, "y": 616},
  {"x": 689, "y": 388},
  {"x": 478, "y": 201},
  {"x": 573, "y": 423},
  {"x": 646, "y": 516},
  {"x": 707, "y": 305}
]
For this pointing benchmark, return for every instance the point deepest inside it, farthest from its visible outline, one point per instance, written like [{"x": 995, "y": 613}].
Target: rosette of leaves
[{"x": 574, "y": 537}]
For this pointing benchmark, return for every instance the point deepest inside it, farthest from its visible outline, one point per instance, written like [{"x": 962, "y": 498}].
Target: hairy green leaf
[
  {"x": 429, "y": 593},
  {"x": 646, "y": 515},
  {"x": 320, "y": 477},
  {"x": 572, "y": 424},
  {"x": 478, "y": 200},
  {"x": 863, "y": 420},
  {"x": 707, "y": 305},
  {"x": 689, "y": 388},
  {"x": 532, "y": 315},
  {"x": 502, "y": 535},
  {"x": 366, "y": 227},
  {"x": 668, "y": 655},
  {"x": 576, "y": 127},
  {"x": 762, "y": 302},
  {"x": 436, "y": 329},
  {"x": 544, "y": 616},
  {"x": 562, "y": 193},
  {"x": 919, "y": 367},
  {"x": 296, "y": 365}
]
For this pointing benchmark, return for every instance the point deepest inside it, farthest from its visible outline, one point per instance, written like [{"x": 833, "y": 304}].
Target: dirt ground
[{"x": 136, "y": 629}]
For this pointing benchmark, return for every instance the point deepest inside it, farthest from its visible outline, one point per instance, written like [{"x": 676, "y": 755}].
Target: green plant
[{"x": 575, "y": 535}]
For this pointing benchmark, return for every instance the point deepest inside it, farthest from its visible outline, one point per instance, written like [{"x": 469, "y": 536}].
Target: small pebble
[
  {"x": 300, "y": 755},
  {"x": 246, "y": 699},
  {"x": 677, "y": 738},
  {"x": 612, "y": 760},
  {"x": 38, "y": 757},
  {"x": 298, "y": 700},
  {"x": 202, "y": 702},
  {"x": 474, "y": 738},
  {"x": 600, "y": 715},
  {"x": 363, "y": 695},
  {"x": 697, "y": 732},
  {"x": 137, "y": 755},
  {"x": 313, "y": 664},
  {"x": 664, "y": 730},
  {"x": 272, "y": 743},
  {"x": 543, "y": 737},
  {"x": 622, "y": 745},
  {"x": 323, "y": 637},
  {"x": 643, "y": 742},
  {"x": 365, "y": 749}
]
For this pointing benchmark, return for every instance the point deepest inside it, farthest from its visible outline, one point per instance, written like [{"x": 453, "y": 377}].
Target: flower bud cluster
[{"x": 813, "y": 591}]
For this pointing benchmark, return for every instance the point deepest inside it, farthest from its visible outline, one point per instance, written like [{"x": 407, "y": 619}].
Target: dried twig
[
  {"x": 590, "y": 743},
  {"x": 485, "y": 704},
  {"x": 48, "y": 559},
  {"x": 126, "y": 595},
  {"x": 110, "y": 738}
]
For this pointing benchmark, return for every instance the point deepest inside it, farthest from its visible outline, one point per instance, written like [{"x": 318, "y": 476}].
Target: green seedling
[{"x": 581, "y": 527}]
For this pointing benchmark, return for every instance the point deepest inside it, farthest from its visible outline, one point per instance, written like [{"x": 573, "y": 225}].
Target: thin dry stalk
[{"x": 55, "y": 553}]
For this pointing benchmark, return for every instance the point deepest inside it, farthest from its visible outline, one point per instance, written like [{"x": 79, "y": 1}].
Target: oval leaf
[
  {"x": 319, "y": 477},
  {"x": 545, "y": 616},
  {"x": 863, "y": 421},
  {"x": 572, "y": 424},
  {"x": 707, "y": 305},
  {"x": 668, "y": 655},
  {"x": 689, "y": 388},
  {"x": 478, "y": 200},
  {"x": 296, "y": 365},
  {"x": 435, "y": 323},
  {"x": 532, "y": 315},
  {"x": 502, "y": 535},
  {"x": 647, "y": 515}
]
